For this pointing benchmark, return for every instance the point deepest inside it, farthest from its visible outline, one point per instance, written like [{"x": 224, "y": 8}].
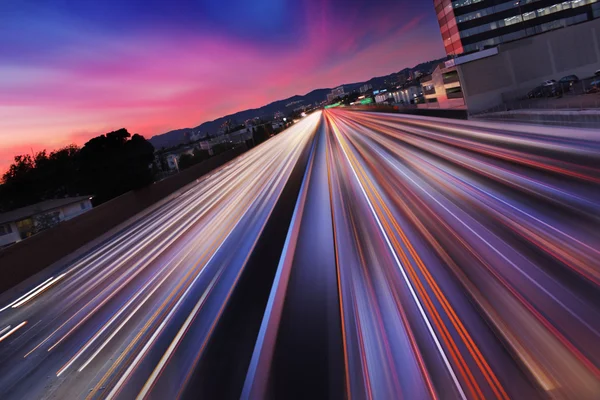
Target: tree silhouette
[
  {"x": 106, "y": 166},
  {"x": 115, "y": 163},
  {"x": 185, "y": 161},
  {"x": 260, "y": 134}
]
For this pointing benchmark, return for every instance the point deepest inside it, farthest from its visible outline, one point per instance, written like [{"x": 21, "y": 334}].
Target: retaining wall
[{"x": 28, "y": 257}]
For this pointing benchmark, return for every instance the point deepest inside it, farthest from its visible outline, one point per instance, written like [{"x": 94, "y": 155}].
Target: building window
[
  {"x": 5, "y": 230},
  {"x": 462, "y": 3},
  {"x": 25, "y": 227}
]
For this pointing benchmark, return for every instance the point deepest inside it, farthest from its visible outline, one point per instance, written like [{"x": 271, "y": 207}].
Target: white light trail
[
  {"x": 13, "y": 330},
  {"x": 408, "y": 283}
]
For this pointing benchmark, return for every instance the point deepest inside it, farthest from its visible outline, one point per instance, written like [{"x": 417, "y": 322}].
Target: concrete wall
[
  {"x": 522, "y": 65},
  {"x": 73, "y": 210},
  {"x": 433, "y": 112},
  {"x": 415, "y": 110},
  {"x": 446, "y": 104},
  {"x": 28, "y": 257}
]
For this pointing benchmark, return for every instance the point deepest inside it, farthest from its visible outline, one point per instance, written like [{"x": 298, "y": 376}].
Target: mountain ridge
[{"x": 178, "y": 136}]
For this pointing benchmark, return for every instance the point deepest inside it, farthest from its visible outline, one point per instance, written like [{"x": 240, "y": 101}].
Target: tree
[
  {"x": 107, "y": 166},
  {"x": 201, "y": 155},
  {"x": 185, "y": 161},
  {"x": 66, "y": 178},
  {"x": 45, "y": 221},
  {"x": 18, "y": 188},
  {"x": 115, "y": 163},
  {"x": 260, "y": 134}
]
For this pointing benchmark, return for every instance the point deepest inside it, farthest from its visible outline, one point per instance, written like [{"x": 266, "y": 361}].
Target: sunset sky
[{"x": 73, "y": 69}]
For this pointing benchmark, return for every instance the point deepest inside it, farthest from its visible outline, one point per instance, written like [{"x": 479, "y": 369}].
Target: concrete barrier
[
  {"x": 435, "y": 112},
  {"x": 31, "y": 256},
  {"x": 425, "y": 112},
  {"x": 569, "y": 118}
]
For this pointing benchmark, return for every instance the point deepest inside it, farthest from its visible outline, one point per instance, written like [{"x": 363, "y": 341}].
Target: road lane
[
  {"x": 424, "y": 258},
  {"x": 117, "y": 315},
  {"x": 519, "y": 284}
]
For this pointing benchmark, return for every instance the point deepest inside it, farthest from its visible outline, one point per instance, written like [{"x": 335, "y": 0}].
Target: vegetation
[
  {"x": 187, "y": 160},
  {"x": 260, "y": 134},
  {"x": 106, "y": 166}
]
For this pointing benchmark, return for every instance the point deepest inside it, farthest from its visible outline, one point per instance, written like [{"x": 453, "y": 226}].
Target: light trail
[
  {"x": 407, "y": 280},
  {"x": 29, "y": 294},
  {"x": 13, "y": 330},
  {"x": 355, "y": 255}
]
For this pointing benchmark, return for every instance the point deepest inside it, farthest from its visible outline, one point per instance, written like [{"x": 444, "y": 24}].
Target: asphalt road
[{"x": 355, "y": 255}]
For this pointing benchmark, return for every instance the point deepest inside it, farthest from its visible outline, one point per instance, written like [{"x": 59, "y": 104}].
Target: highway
[{"x": 355, "y": 255}]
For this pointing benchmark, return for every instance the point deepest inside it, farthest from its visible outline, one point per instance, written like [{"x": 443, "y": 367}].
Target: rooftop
[{"x": 47, "y": 205}]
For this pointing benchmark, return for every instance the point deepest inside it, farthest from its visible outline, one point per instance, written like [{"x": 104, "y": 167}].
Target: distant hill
[{"x": 173, "y": 138}]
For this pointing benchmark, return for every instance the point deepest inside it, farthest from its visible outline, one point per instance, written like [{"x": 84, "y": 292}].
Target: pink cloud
[{"x": 153, "y": 84}]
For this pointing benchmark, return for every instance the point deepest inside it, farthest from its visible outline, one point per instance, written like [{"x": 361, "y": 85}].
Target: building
[
  {"x": 409, "y": 94},
  {"x": 401, "y": 79},
  {"x": 237, "y": 137},
  {"x": 173, "y": 156},
  {"x": 338, "y": 91},
  {"x": 472, "y": 25},
  {"x": 197, "y": 135},
  {"x": 226, "y": 126},
  {"x": 365, "y": 88},
  {"x": 504, "y": 74},
  {"x": 335, "y": 93},
  {"x": 24, "y": 222},
  {"x": 442, "y": 88},
  {"x": 209, "y": 144},
  {"x": 384, "y": 97}
]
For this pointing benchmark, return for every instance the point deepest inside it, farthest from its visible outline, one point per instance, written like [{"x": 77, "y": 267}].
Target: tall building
[
  {"x": 472, "y": 25},
  {"x": 338, "y": 91},
  {"x": 335, "y": 93},
  {"x": 365, "y": 88}
]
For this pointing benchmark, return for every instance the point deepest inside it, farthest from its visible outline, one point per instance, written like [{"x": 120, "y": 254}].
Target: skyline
[{"x": 99, "y": 68}]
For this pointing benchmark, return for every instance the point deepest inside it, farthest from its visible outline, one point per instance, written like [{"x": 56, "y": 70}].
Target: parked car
[
  {"x": 597, "y": 73},
  {"x": 566, "y": 82},
  {"x": 594, "y": 87},
  {"x": 536, "y": 92}
]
